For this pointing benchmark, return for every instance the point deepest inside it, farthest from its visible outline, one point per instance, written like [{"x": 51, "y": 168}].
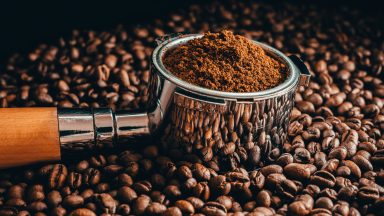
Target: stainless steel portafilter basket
[{"x": 222, "y": 129}]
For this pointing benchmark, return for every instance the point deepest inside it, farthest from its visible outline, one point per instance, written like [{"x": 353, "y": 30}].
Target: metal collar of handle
[{"x": 84, "y": 128}]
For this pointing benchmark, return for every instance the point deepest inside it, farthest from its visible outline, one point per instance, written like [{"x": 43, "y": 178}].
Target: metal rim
[{"x": 290, "y": 82}]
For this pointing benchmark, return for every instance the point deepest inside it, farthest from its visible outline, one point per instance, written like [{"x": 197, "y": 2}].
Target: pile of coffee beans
[{"x": 331, "y": 163}]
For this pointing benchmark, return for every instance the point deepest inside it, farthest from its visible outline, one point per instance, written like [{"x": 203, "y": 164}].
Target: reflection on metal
[{"x": 191, "y": 118}]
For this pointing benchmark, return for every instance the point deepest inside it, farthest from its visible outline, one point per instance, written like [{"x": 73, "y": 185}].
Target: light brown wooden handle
[{"x": 28, "y": 135}]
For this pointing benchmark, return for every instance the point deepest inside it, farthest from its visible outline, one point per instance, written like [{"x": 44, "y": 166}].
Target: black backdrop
[{"x": 23, "y": 24}]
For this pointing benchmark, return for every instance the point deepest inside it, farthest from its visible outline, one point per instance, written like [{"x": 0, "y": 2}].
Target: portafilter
[{"x": 188, "y": 118}]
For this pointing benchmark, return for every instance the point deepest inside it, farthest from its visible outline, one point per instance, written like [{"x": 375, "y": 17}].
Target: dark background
[{"x": 24, "y": 24}]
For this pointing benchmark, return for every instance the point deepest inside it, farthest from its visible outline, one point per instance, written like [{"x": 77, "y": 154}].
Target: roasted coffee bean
[
  {"x": 324, "y": 202},
  {"x": 73, "y": 201},
  {"x": 185, "y": 207},
  {"x": 284, "y": 159},
  {"x": 347, "y": 193},
  {"x": 271, "y": 169},
  {"x": 74, "y": 180},
  {"x": 323, "y": 179},
  {"x": 219, "y": 185},
  {"x": 36, "y": 193},
  {"x": 82, "y": 166},
  {"x": 91, "y": 177},
  {"x": 97, "y": 161},
  {"x": 214, "y": 208},
  {"x": 257, "y": 179},
  {"x": 273, "y": 180},
  {"x": 312, "y": 190},
  {"x": 82, "y": 212},
  {"x": 202, "y": 191},
  {"x": 201, "y": 172},
  {"x": 196, "y": 202},
  {"x": 55, "y": 174},
  {"x": 287, "y": 188},
  {"x": 184, "y": 172},
  {"x": 302, "y": 206},
  {"x": 299, "y": 171},
  {"x": 172, "y": 211},
  {"x": 368, "y": 194},
  {"x": 142, "y": 187},
  {"x": 141, "y": 204},
  {"x": 54, "y": 198},
  {"x": 105, "y": 202},
  {"x": 58, "y": 211},
  {"x": 263, "y": 198},
  {"x": 226, "y": 201},
  {"x": 172, "y": 191},
  {"x": 126, "y": 194},
  {"x": 155, "y": 208},
  {"x": 123, "y": 209}
]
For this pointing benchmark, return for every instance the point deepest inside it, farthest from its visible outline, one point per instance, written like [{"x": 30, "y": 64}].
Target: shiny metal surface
[
  {"x": 76, "y": 128},
  {"x": 82, "y": 129},
  {"x": 104, "y": 127},
  {"x": 191, "y": 119},
  {"x": 201, "y": 120},
  {"x": 130, "y": 125},
  {"x": 281, "y": 89}
]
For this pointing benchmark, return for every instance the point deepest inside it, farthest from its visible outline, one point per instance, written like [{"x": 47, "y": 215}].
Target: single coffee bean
[
  {"x": 368, "y": 194},
  {"x": 201, "y": 172},
  {"x": 82, "y": 212},
  {"x": 123, "y": 209},
  {"x": 214, "y": 208},
  {"x": 74, "y": 180},
  {"x": 347, "y": 193},
  {"x": 155, "y": 208},
  {"x": 202, "y": 191},
  {"x": 73, "y": 201},
  {"x": 172, "y": 191},
  {"x": 257, "y": 179},
  {"x": 287, "y": 188},
  {"x": 58, "y": 211},
  {"x": 91, "y": 177},
  {"x": 172, "y": 211},
  {"x": 299, "y": 171},
  {"x": 271, "y": 169},
  {"x": 226, "y": 201},
  {"x": 324, "y": 202},
  {"x": 55, "y": 174},
  {"x": 302, "y": 206},
  {"x": 54, "y": 198},
  {"x": 126, "y": 194},
  {"x": 185, "y": 206},
  {"x": 105, "y": 202},
  {"x": 140, "y": 204},
  {"x": 142, "y": 187},
  {"x": 184, "y": 172},
  {"x": 323, "y": 179},
  {"x": 263, "y": 198},
  {"x": 219, "y": 185}
]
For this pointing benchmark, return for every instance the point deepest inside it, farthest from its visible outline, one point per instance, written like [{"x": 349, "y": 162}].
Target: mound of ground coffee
[{"x": 225, "y": 62}]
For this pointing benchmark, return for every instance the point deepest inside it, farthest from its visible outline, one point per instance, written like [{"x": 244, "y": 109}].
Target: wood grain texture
[{"x": 28, "y": 136}]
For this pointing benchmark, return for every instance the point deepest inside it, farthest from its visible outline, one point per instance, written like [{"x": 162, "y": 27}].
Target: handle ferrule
[{"x": 83, "y": 128}]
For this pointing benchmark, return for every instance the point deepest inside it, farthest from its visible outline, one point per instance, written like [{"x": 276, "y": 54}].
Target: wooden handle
[{"x": 28, "y": 135}]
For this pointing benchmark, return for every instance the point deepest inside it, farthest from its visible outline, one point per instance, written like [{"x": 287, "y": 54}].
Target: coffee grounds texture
[{"x": 225, "y": 62}]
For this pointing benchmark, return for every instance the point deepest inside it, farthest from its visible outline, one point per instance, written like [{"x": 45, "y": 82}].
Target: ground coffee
[{"x": 225, "y": 62}]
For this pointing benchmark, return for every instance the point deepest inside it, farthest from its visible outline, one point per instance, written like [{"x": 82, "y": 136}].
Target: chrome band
[
  {"x": 81, "y": 129},
  {"x": 76, "y": 128},
  {"x": 129, "y": 125},
  {"x": 104, "y": 127}
]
